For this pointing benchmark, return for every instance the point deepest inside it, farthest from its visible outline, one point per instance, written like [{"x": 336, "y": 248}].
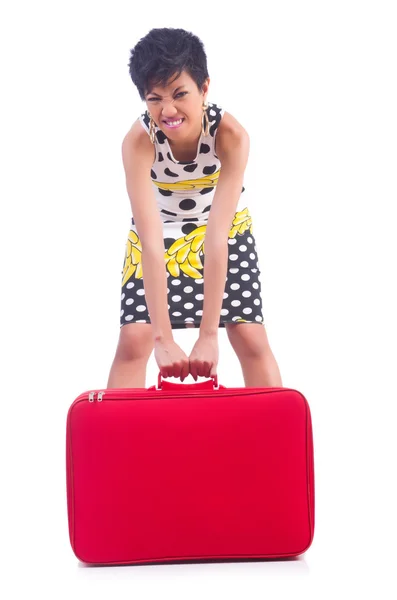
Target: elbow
[
  {"x": 150, "y": 238},
  {"x": 217, "y": 247},
  {"x": 217, "y": 241},
  {"x": 152, "y": 246}
]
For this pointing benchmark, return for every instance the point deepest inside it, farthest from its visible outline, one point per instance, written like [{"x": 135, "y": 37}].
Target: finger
[
  {"x": 201, "y": 369},
  {"x": 185, "y": 370},
  {"x": 193, "y": 370},
  {"x": 176, "y": 371},
  {"x": 207, "y": 368}
]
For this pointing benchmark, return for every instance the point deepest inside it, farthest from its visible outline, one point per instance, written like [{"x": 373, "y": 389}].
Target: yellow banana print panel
[
  {"x": 190, "y": 184},
  {"x": 184, "y": 254}
]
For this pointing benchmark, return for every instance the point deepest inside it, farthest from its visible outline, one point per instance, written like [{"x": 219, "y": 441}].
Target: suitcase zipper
[
  {"x": 121, "y": 392},
  {"x": 91, "y": 396}
]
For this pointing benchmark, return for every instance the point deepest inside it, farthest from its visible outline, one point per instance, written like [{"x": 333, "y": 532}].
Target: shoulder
[
  {"x": 231, "y": 137},
  {"x": 137, "y": 145},
  {"x": 228, "y": 123},
  {"x": 137, "y": 132},
  {"x": 230, "y": 127}
]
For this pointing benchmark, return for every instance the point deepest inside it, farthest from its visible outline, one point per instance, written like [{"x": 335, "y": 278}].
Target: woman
[{"x": 190, "y": 257}]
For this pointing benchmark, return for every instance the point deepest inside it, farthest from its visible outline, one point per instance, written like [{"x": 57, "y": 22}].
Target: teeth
[{"x": 174, "y": 122}]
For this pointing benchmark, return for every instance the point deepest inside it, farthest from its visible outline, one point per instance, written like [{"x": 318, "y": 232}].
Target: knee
[
  {"x": 249, "y": 341},
  {"x": 135, "y": 342}
]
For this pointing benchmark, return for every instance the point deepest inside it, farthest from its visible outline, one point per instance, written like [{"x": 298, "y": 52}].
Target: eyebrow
[{"x": 154, "y": 93}]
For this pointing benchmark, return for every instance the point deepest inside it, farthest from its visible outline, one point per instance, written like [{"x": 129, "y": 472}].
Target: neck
[{"x": 187, "y": 143}]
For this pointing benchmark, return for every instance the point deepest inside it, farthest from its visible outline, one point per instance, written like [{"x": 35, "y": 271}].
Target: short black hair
[{"x": 163, "y": 52}]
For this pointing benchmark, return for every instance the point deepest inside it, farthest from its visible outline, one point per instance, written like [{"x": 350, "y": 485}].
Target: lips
[
  {"x": 172, "y": 120},
  {"x": 169, "y": 126}
]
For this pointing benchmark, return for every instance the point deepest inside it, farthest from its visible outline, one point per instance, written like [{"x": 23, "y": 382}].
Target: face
[{"x": 177, "y": 108}]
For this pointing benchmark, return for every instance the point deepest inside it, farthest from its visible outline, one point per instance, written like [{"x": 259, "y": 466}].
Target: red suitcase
[{"x": 179, "y": 472}]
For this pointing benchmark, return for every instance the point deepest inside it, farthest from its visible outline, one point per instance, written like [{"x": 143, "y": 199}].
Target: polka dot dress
[{"x": 184, "y": 192}]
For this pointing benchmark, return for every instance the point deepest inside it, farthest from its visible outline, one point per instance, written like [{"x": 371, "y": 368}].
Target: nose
[{"x": 169, "y": 110}]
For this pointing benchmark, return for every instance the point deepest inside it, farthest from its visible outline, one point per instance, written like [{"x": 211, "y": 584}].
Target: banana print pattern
[
  {"x": 184, "y": 254},
  {"x": 190, "y": 184}
]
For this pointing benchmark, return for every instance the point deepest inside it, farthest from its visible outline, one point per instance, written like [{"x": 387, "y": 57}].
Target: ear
[{"x": 205, "y": 87}]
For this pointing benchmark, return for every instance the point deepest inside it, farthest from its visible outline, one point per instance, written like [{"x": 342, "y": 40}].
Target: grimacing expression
[{"x": 177, "y": 108}]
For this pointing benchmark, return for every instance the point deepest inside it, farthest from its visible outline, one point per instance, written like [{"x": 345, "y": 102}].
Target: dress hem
[{"x": 188, "y": 325}]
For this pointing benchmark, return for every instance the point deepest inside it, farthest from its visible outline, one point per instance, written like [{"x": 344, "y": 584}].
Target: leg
[
  {"x": 132, "y": 354},
  {"x": 250, "y": 343}
]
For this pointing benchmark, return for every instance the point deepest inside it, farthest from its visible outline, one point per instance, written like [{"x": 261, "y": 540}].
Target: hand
[
  {"x": 203, "y": 359},
  {"x": 171, "y": 359}
]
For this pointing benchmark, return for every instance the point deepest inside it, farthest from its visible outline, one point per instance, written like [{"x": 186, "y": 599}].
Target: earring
[
  {"x": 205, "y": 126},
  {"x": 151, "y": 130}
]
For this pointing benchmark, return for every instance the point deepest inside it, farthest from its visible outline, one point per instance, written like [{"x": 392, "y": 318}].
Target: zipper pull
[{"x": 91, "y": 396}]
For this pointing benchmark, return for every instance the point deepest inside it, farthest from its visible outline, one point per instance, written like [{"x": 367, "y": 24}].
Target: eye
[{"x": 157, "y": 99}]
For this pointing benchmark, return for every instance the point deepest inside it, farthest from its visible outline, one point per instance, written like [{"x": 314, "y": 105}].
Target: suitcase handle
[{"x": 204, "y": 385}]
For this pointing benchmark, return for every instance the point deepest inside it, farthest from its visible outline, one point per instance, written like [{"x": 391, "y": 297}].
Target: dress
[{"x": 184, "y": 192}]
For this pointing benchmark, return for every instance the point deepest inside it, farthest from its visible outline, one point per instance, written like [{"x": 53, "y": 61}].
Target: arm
[
  {"x": 232, "y": 147},
  {"x": 137, "y": 154}
]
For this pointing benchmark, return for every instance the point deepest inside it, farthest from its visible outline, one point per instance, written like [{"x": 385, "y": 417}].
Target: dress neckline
[{"x": 181, "y": 162}]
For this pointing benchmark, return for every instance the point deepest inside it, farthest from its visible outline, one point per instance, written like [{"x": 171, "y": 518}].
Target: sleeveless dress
[{"x": 184, "y": 192}]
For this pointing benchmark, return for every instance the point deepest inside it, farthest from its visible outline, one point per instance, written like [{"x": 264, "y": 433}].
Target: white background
[{"x": 314, "y": 84}]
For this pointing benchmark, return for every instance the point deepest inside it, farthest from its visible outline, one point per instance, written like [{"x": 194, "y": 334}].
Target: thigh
[{"x": 135, "y": 341}]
